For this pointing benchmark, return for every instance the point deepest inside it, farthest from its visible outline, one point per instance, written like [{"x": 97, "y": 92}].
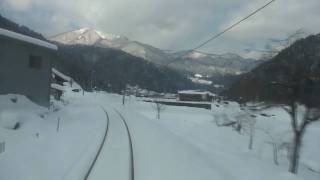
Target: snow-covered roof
[
  {"x": 195, "y": 92},
  {"x": 57, "y": 87},
  {"x": 58, "y": 73},
  {"x": 28, "y": 39}
]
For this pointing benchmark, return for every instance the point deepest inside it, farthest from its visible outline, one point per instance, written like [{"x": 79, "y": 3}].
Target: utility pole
[{"x": 91, "y": 79}]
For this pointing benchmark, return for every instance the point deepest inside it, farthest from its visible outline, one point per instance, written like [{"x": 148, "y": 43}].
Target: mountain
[
  {"x": 300, "y": 62},
  {"x": 212, "y": 64},
  {"x": 188, "y": 61},
  {"x": 89, "y": 36},
  {"x": 105, "y": 68}
]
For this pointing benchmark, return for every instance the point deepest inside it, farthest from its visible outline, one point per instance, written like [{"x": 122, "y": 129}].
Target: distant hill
[
  {"x": 213, "y": 65},
  {"x": 111, "y": 70},
  {"x": 294, "y": 64}
]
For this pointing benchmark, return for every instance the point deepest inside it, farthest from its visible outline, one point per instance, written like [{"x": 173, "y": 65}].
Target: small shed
[
  {"x": 195, "y": 95},
  {"x": 25, "y": 66}
]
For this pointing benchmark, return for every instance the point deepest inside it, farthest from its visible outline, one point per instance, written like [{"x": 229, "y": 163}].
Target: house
[
  {"x": 25, "y": 66},
  {"x": 195, "y": 95}
]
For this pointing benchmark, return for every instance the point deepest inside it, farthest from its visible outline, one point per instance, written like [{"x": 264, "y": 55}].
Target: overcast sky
[{"x": 171, "y": 24}]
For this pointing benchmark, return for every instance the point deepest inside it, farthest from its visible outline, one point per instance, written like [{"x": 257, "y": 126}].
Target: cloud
[
  {"x": 170, "y": 24},
  {"x": 280, "y": 19},
  {"x": 19, "y": 5}
]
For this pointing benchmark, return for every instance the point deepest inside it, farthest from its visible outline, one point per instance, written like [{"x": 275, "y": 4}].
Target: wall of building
[
  {"x": 16, "y": 75},
  {"x": 195, "y": 97}
]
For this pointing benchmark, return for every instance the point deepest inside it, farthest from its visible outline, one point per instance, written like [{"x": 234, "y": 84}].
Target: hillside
[
  {"x": 213, "y": 65},
  {"x": 297, "y": 63},
  {"x": 111, "y": 70}
]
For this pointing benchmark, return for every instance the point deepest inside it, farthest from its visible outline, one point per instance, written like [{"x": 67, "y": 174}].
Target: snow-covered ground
[
  {"x": 38, "y": 149},
  {"x": 184, "y": 144}
]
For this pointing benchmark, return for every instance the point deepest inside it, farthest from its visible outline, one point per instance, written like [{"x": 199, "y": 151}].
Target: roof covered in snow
[
  {"x": 28, "y": 39},
  {"x": 55, "y": 72},
  {"x": 57, "y": 87},
  {"x": 195, "y": 92}
]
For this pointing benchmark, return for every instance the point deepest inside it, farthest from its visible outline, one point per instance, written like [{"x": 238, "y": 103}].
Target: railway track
[
  {"x": 130, "y": 145},
  {"x": 101, "y": 145},
  {"x": 114, "y": 138}
]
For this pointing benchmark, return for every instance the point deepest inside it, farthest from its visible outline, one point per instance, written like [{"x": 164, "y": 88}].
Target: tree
[
  {"x": 124, "y": 93},
  {"x": 301, "y": 100},
  {"x": 123, "y": 97},
  {"x": 299, "y": 127},
  {"x": 247, "y": 120},
  {"x": 158, "y": 107}
]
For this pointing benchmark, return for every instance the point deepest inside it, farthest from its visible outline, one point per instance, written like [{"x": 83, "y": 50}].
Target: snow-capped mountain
[
  {"x": 89, "y": 36},
  {"x": 192, "y": 61}
]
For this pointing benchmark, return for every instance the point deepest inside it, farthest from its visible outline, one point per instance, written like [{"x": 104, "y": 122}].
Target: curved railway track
[
  {"x": 101, "y": 145},
  {"x": 130, "y": 145},
  {"x": 104, "y": 144}
]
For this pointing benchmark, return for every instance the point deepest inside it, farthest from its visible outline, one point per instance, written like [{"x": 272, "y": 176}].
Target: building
[
  {"x": 194, "y": 95},
  {"x": 25, "y": 66}
]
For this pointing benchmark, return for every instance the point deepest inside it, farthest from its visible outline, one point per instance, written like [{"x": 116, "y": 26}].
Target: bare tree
[
  {"x": 251, "y": 111},
  {"x": 299, "y": 127},
  {"x": 158, "y": 107},
  {"x": 247, "y": 120},
  {"x": 301, "y": 101},
  {"x": 124, "y": 94},
  {"x": 251, "y": 123},
  {"x": 123, "y": 97},
  {"x": 273, "y": 142}
]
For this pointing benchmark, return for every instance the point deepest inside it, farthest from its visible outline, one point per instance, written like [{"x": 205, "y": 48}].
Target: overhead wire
[{"x": 222, "y": 32}]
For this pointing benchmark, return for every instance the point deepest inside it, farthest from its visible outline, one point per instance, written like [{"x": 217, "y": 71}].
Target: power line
[
  {"x": 224, "y": 31},
  {"x": 233, "y": 25}
]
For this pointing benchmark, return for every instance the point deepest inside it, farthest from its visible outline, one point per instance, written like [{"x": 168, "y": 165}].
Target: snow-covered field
[
  {"x": 184, "y": 144},
  {"x": 225, "y": 148}
]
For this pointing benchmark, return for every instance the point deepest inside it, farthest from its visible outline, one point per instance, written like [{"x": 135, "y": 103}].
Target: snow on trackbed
[{"x": 114, "y": 159}]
